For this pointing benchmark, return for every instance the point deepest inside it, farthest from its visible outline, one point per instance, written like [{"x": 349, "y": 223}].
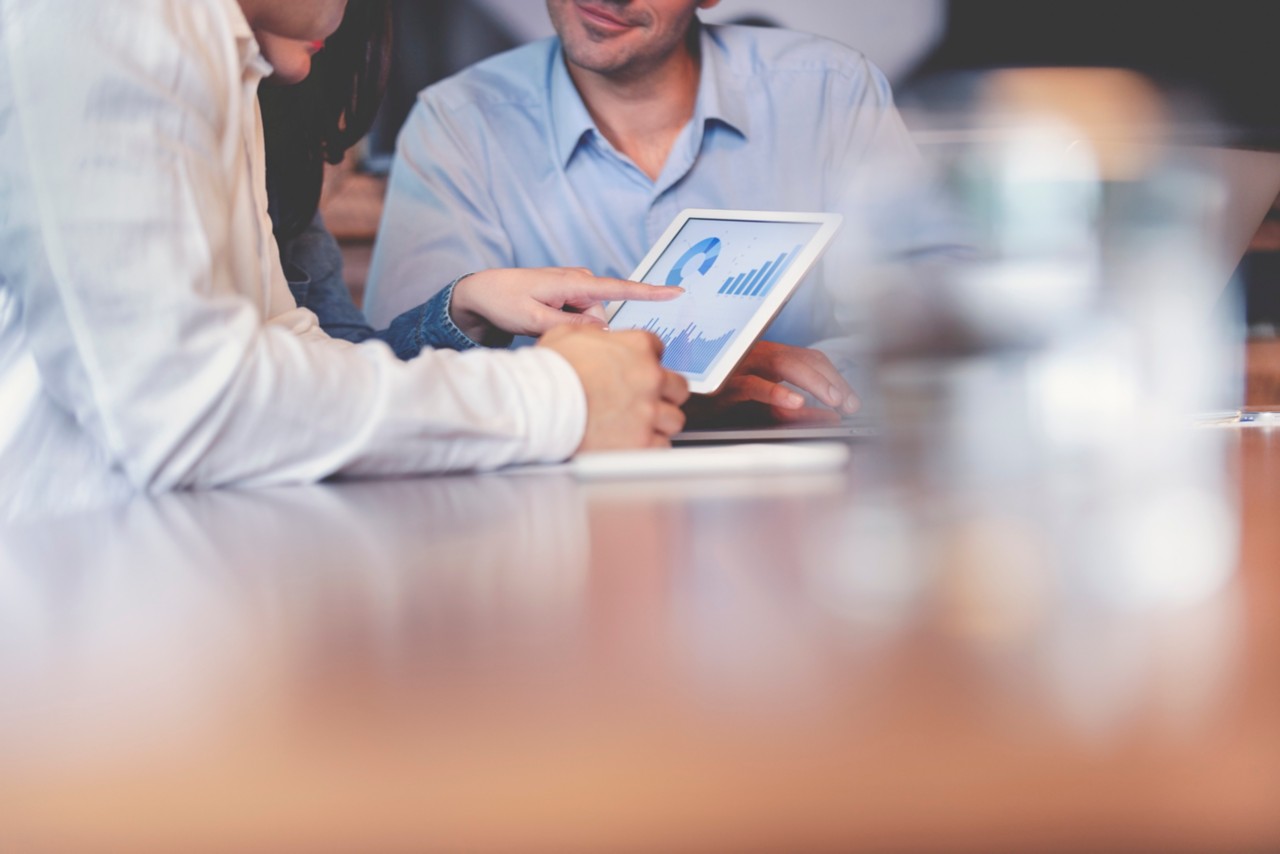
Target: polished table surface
[{"x": 533, "y": 663}]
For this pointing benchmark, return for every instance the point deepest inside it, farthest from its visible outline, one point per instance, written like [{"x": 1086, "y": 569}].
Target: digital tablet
[{"x": 737, "y": 268}]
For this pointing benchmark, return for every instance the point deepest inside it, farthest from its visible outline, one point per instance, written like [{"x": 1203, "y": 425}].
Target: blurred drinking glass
[{"x": 1045, "y": 310}]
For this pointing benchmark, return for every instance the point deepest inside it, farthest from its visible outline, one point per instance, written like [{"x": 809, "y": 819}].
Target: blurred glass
[{"x": 1043, "y": 292}]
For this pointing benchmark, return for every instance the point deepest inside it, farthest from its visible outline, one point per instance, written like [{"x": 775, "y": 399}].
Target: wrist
[{"x": 464, "y": 312}]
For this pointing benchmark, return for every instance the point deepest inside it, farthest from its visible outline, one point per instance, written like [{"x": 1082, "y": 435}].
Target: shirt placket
[
  {"x": 252, "y": 142},
  {"x": 664, "y": 205}
]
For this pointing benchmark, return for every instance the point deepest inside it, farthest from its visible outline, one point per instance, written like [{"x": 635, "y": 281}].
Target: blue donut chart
[{"x": 708, "y": 248}]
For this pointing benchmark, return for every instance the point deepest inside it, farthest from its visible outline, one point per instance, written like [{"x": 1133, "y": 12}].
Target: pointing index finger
[{"x": 601, "y": 289}]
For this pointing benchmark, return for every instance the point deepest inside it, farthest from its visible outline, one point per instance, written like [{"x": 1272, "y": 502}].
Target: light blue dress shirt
[{"x": 502, "y": 166}]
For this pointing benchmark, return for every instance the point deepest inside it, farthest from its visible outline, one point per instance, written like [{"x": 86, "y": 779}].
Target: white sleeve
[{"x": 129, "y": 284}]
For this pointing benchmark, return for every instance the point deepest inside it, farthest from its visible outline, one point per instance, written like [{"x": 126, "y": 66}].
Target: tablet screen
[{"x": 727, "y": 268}]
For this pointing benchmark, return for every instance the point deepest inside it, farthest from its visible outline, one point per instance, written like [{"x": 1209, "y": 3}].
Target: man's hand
[
  {"x": 494, "y": 304},
  {"x": 754, "y": 392},
  {"x": 631, "y": 401}
]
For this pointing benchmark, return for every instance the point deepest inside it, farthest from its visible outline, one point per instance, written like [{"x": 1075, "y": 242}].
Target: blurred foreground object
[
  {"x": 1041, "y": 386},
  {"x": 1222, "y": 53}
]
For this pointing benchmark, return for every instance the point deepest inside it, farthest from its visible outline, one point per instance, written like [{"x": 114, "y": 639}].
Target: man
[
  {"x": 147, "y": 335},
  {"x": 581, "y": 150}
]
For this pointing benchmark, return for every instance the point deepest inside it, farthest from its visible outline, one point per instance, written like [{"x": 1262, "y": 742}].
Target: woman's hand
[{"x": 490, "y": 305}]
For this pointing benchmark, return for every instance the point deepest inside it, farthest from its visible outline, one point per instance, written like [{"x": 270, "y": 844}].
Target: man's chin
[{"x": 607, "y": 62}]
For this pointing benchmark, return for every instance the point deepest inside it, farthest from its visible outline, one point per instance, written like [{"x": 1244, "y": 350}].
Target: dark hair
[{"x": 317, "y": 120}]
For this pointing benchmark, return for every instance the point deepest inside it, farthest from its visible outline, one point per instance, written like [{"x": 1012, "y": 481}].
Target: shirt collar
[
  {"x": 719, "y": 99},
  {"x": 720, "y": 96},
  {"x": 570, "y": 120},
  {"x": 252, "y": 63}
]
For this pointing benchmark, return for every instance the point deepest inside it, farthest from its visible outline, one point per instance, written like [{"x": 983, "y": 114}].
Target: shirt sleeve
[
  {"x": 314, "y": 268},
  {"x": 133, "y": 299},
  {"x": 439, "y": 221},
  {"x": 428, "y": 325}
]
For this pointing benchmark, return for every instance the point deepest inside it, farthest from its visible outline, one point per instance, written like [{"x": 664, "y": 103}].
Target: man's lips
[{"x": 602, "y": 19}]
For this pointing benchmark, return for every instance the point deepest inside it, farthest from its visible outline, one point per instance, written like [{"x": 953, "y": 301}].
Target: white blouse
[{"x": 146, "y": 328}]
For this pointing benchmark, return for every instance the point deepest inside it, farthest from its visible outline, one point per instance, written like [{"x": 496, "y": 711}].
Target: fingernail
[
  {"x": 850, "y": 406},
  {"x": 834, "y": 397},
  {"x": 794, "y": 400}
]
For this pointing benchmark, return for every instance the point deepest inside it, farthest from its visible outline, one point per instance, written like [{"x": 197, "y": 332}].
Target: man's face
[
  {"x": 299, "y": 20},
  {"x": 622, "y": 38}
]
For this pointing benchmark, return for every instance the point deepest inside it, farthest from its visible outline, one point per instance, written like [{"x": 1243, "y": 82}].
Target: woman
[
  {"x": 321, "y": 100},
  {"x": 146, "y": 328}
]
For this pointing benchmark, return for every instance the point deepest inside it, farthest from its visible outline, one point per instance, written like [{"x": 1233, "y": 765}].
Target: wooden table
[
  {"x": 503, "y": 663},
  {"x": 1262, "y": 378}
]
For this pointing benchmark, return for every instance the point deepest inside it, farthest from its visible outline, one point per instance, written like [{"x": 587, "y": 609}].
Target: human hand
[
  {"x": 754, "y": 392},
  {"x": 632, "y": 402},
  {"x": 494, "y": 303}
]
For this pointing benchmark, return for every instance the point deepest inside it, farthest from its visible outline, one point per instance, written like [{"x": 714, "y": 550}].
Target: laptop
[{"x": 847, "y": 430}]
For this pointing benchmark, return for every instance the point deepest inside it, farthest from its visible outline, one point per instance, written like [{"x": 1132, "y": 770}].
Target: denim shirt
[{"x": 313, "y": 266}]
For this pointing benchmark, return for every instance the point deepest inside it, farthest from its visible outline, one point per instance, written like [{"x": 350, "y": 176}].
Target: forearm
[{"x": 368, "y": 413}]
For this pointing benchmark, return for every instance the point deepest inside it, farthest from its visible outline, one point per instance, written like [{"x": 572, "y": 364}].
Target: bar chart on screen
[
  {"x": 687, "y": 350},
  {"x": 690, "y": 347},
  {"x": 757, "y": 282}
]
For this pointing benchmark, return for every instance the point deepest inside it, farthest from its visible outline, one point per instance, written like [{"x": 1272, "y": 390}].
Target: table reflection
[{"x": 303, "y": 668}]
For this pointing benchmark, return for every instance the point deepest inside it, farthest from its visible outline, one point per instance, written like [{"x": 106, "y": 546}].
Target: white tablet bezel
[{"x": 770, "y": 305}]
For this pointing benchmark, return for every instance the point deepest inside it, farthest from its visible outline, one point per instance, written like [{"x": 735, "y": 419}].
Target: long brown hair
[{"x": 317, "y": 120}]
